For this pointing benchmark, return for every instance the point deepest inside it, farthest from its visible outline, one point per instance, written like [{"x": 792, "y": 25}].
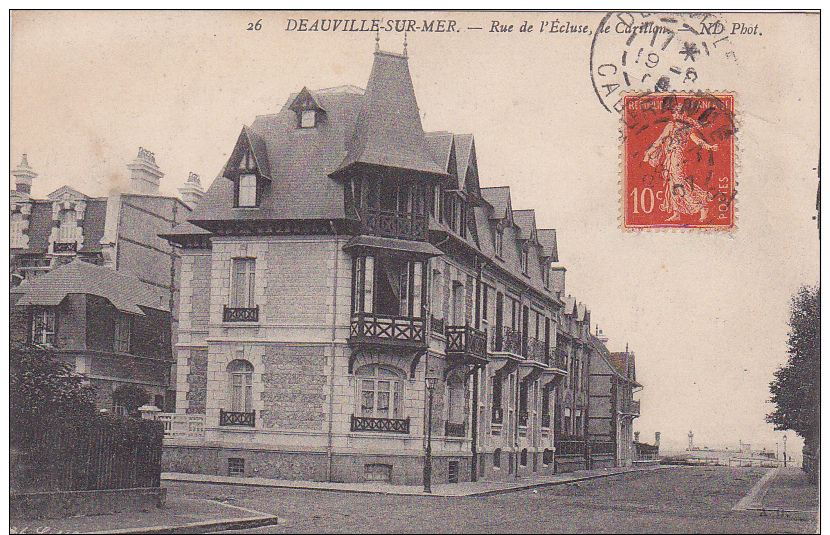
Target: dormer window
[
  {"x": 247, "y": 190},
  {"x": 499, "y": 241},
  {"x": 308, "y": 119},
  {"x": 524, "y": 259}
]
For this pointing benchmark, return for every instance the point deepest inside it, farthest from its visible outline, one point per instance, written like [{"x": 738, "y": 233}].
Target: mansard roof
[{"x": 125, "y": 293}]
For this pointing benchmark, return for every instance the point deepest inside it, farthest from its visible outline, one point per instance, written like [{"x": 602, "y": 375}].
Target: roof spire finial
[
  {"x": 404, "y": 43},
  {"x": 377, "y": 40}
]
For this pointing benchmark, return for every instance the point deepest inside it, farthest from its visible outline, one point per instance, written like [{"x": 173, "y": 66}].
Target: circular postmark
[
  {"x": 655, "y": 52},
  {"x": 678, "y": 158}
]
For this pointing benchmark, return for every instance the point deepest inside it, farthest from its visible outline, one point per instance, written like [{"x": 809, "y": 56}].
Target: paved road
[{"x": 679, "y": 500}]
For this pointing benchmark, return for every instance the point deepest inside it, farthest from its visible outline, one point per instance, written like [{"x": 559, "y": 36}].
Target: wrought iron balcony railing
[
  {"x": 465, "y": 340},
  {"x": 498, "y": 415},
  {"x": 453, "y": 430},
  {"x": 380, "y": 425},
  {"x": 402, "y": 330},
  {"x": 247, "y": 419},
  {"x": 65, "y": 247},
  {"x": 436, "y": 325},
  {"x": 392, "y": 224},
  {"x": 240, "y": 314},
  {"x": 510, "y": 341}
]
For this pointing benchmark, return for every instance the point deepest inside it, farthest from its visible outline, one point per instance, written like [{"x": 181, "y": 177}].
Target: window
[
  {"x": 524, "y": 260},
  {"x": 241, "y": 375},
  {"x": 122, "y": 333},
  {"x": 523, "y": 457},
  {"x": 381, "y": 392},
  {"x": 484, "y": 302},
  {"x": 17, "y": 224},
  {"x": 236, "y": 466},
  {"x": 242, "y": 284},
  {"x": 499, "y": 241},
  {"x": 43, "y": 327},
  {"x": 308, "y": 119},
  {"x": 247, "y": 190},
  {"x": 388, "y": 286},
  {"x": 497, "y": 458},
  {"x": 452, "y": 472},
  {"x": 455, "y": 392}
]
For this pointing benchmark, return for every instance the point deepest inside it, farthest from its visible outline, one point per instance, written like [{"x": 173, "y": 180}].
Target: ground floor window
[
  {"x": 236, "y": 466},
  {"x": 381, "y": 391},
  {"x": 497, "y": 458},
  {"x": 452, "y": 472},
  {"x": 523, "y": 459},
  {"x": 241, "y": 374}
]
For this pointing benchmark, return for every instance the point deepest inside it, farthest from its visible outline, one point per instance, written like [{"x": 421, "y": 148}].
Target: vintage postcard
[{"x": 479, "y": 260}]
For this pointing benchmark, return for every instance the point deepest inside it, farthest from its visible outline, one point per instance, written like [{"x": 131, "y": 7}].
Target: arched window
[
  {"x": 380, "y": 391},
  {"x": 455, "y": 401},
  {"x": 240, "y": 376}
]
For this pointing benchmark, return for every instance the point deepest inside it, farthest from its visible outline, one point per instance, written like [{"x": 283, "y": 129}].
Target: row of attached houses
[{"x": 346, "y": 281}]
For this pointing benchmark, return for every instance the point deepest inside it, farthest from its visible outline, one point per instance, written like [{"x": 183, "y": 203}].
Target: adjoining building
[
  {"x": 119, "y": 232},
  {"x": 612, "y": 409},
  {"x": 341, "y": 264},
  {"x": 111, "y": 327}
]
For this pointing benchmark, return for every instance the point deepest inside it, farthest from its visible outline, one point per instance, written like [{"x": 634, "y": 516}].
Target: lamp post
[
  {"x": 430, "y": 384},
  {"x": 785, "y": 451}
]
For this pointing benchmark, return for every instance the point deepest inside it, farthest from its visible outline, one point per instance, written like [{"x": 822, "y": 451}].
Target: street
[{"x": 678, "y": 499}]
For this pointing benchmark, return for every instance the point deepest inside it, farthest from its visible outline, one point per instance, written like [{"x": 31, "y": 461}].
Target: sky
[{"x": 705, "y": 313}]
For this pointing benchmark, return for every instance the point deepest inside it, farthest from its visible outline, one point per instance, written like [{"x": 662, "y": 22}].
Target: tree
[
  {"x": 130, "y": 397},
  {"x": 43, "y": 388},
  {"x": 796, "y": 390}
]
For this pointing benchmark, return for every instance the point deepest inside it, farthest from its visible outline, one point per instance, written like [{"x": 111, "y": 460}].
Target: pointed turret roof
[{"x": 388, "y": 130}]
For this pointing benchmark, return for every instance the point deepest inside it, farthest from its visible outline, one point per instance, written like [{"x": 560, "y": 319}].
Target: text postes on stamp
[{"x": 678, "y": 161}]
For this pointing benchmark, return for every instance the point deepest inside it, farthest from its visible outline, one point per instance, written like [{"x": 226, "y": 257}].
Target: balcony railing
[
  {"x": 466, "y": 340},
  {"x": 559, "y": 358},
  {"x": 536, "y": 350},
  {"x": 247, "y": 419},
  {"x": 391, "y": 224},
  {"x": 498, "y": 415},
  {"x": 380, "y": 425},
  {"x": 510, "y": 342},
  {"x": 453, "y": 430},
  {"x": 631, "y": 407},
  {"x": 183, "y": 426},
  {"x": 395, "y": 329},
  {"x": 240, "y": 314},
  {"x": 65, "y": 247},
  {"x": 436, "y": 325}
]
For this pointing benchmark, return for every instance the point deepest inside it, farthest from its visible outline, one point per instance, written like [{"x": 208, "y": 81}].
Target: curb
[
  {"x": 203, "y": 527},
  {"x": 490, "y": 492}
]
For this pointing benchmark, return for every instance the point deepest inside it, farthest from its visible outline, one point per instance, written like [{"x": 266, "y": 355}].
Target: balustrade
[
  {"x": 65, "y": 247},
  {"x": 380, "y": 425},
  {"x": 240, "y": 314},
  {"x": 183, "y": 426},
  {"x": 392, "y": 224},
  {"x": 247, "y": 419},
  {"x": 400, "y": 329}
]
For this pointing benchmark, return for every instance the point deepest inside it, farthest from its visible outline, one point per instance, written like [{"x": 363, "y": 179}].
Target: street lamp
[
  {"x": 785, "y": 451},
  {"x": 430, "y": 384}
]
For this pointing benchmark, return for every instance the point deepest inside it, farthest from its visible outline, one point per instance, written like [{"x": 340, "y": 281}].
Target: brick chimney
[
  {"x": 557, "y": 277},
  {"x": 192, "y": 191},
  {"x": 146, "y": 175},
  {"x": 23, "y": 177}
]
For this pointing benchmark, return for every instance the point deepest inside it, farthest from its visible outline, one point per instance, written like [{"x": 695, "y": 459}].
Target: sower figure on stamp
[{"x": 682, "y": 195}]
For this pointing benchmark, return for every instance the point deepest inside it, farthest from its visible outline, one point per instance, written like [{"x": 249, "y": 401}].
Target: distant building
[
  {"x": 111, "y": 327},
  {"x": 119, "y": 232},
  {"x": 612, "y": 406}
]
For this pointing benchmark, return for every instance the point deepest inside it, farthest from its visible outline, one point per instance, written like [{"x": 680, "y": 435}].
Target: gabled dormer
[
  {"x": 248, "y": 169},
  {"x": 307, "y": 107},
  {"x": 68, "y": 211}
]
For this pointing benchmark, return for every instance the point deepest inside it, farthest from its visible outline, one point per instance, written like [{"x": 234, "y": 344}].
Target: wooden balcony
[
  {"x": 380, "y": 425},
  {"x": 387, "y": 330},
  {"x": 232, "y": 315},
  {"x": 391, "y": 224},
  {"x": 246, "y": 419},
  {"x": 466, "y": 341},
  {"x": 453, "y": 430}
]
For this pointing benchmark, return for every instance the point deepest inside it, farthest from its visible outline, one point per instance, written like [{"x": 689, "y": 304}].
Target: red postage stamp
[{"x": 678, "y": 161}]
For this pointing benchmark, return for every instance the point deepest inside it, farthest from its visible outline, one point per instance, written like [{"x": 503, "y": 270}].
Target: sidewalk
[
  {"x": 179, "y": 515},
  {"x": 782, "y": 492},
  {"x": 480, "y": 488}
]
